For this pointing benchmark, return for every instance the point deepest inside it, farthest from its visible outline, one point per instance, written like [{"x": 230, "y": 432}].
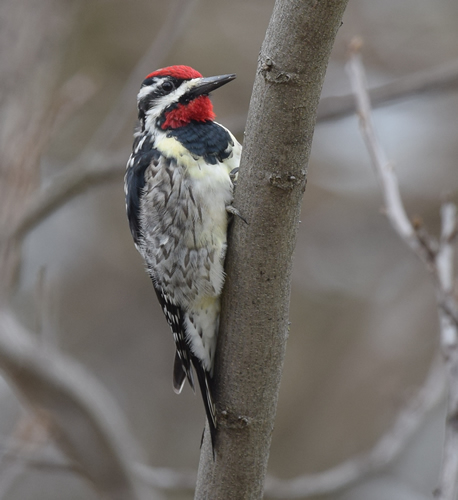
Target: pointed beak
[{"x": 207, "y": 85}]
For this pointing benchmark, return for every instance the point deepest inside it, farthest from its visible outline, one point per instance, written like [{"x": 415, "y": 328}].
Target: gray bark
[{"x": 272, "y": 179}]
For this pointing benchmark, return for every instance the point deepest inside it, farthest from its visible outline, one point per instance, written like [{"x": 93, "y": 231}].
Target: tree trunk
[{"x": 272, "y": 179}]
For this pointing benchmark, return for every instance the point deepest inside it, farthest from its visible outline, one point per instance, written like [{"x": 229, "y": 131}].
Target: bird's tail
[{"x": 205, "y": 381}]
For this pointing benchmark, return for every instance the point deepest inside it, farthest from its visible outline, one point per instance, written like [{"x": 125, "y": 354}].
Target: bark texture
[{"x": 254, "y": 324}]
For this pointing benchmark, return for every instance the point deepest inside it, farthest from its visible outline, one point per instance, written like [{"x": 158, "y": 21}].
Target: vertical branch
[
  {"x": 438, "y": 259},
  {"x": 384, "y": 169},
  {"x": 254, "y": 321},
  {"x": 448, "y": 484}
]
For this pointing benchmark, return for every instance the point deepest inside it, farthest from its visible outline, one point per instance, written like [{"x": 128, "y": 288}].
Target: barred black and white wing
[
  {"x": 184, "y": 359},
  {"x": 151, "y": 175}
]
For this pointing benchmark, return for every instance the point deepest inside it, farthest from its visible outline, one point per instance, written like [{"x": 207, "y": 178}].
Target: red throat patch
[{"x": 199, "y": 110}]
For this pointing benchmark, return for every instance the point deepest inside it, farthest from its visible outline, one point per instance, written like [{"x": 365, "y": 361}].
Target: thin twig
[
  {"x": 437, "y": 79},
  {"x": 430, "y": 80},
  {"x": 437, "y": 256},
  {"x": 383, "y": 167}
]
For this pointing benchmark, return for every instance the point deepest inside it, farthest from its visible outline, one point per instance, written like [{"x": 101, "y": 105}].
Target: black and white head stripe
[{"x": 163, "y": 82}]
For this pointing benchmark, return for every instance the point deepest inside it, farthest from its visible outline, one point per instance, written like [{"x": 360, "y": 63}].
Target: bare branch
[
  {"x": 444, "y": 259},
  {"x": 438, "y": 258},
  {"x": 384, "y": 169},
  {"x": 254, "y": 318},
  {"x": 386, "y": 450},
  {"x": 96, "y": 164},
  {"x": 65, "y": 186},
  {"x": 29, "y": 59},
  {"x": 338, "y": 106},
  {"x": 88, "y": 425},
  {"x": 448, "y": 484},
  {"x": 158, "y": 478},
  {"x": 165, "y": 478},
  {"x": 434, "y": 79},
  {"x": 82, "y": 177}
]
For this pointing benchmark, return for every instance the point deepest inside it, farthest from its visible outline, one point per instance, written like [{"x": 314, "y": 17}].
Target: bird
[{"x": 179, "y": 188}]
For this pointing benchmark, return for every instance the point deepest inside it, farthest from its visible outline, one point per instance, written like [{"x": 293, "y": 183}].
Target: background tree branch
[
  {"x": 436, "y": 255},
  {"x": 387, "y": 449},
  {"x": 429, "y": 80},
  {"x": 97, "y": 163},
  {"x": 92, "y": 170},
  {"x": 29, "y": 57},
  {"x": 92, "y": 266},
  {"x": 86, "y": 423},
  {"x": 254, "y": 323}
]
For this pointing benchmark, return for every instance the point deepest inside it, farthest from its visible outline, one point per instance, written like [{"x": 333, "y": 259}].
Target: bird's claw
[{"x": 233, "y": 211}]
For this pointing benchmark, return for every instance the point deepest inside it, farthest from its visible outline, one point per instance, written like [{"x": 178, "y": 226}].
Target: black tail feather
[
  {"x": 205, "y": 388},
  {"x": 179, "y": 374}
]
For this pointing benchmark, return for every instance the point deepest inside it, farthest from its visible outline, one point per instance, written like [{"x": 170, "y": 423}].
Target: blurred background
[{"x": 364, "y": 325}]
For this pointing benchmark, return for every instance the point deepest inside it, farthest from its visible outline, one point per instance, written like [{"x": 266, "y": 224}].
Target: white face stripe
[
  {"x": 147, "y": 89},
  {"x": 163, "y": 102}
]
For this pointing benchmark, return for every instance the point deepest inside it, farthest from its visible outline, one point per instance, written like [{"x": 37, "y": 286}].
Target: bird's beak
[{"x": 206, "y": 85}]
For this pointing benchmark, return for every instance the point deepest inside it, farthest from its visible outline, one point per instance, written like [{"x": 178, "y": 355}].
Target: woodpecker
[{"x": 179, "y": 189}]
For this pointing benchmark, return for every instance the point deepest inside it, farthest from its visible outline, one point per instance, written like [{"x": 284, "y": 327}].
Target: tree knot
[
  {"x": 285, "y": 182},
  {"x": 271, "y": 72},
  {"x": 234, "y": 421}
]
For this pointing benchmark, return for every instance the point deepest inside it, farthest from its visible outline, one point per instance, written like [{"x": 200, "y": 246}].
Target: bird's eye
[{"x": 167, "y": 86}]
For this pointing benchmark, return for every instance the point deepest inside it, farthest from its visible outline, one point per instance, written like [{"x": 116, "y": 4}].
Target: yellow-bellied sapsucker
[{"x": 179, "y": 190}]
